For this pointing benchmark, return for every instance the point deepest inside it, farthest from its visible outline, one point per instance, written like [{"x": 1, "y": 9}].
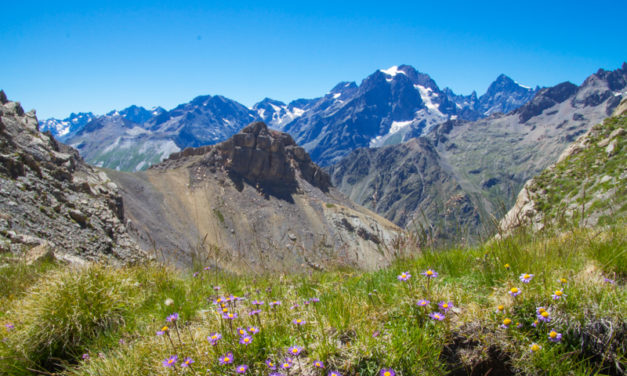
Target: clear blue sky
[{"x": 64, "y": 56}]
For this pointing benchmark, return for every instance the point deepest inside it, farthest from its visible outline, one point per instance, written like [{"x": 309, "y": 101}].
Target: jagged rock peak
[{"x": 261, "y": 156}]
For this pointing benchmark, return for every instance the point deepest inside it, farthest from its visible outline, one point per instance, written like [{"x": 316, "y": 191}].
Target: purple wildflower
[
  {"x": 506, "y": 323},
  {"x": 213, "y": 338},
  {"x": 163, "y": 331},
  {"x": 314, "y": 300},
  {"x": 242, "y": 332},
  {"x": 555, "y": 336},
  {"x": 254, "y": 312},
  {"x": 387, "y": 372},
  {"x": 241, "y": 368},
  {"x": 257, "y": 302},
  {"x": 296, "y": 305},
  {"x": 295, "y": 350},
  {"x": 226, "y": 359},
  {"x": 404, "y": 276},
  {"x": 195, "y": 274},
  {"x": 514, "y": 291},
  {"x": 544, "y": 316},
  {"x": 444, "y": 306},
  {"x": 187, "y": 362},
  {"x": 610, "y": 281},
  {"x": 534, "y": 347},
  {"x": 9, "y": 326},
  {"x": 429, "y": 273},
  {"x": 318, "y": 364},
  {"x": 246, "y": 340},
  {"x": 270, "y": 364},
  {"x": 334, "y": 373},
  {"x": 437, "y": 316},
  {"x": 253, "y": 330},
  {"x": 299, "y": 322},
  {"x": 207, "y": 267},
  {"x": 216, "y": 288},
  {"x": 173, "y": 317},
  {"x": 85, "y": 356},
  {"x": 423, "y": 303},
  {"x": 275, "y": 303},
  {"x": 559, "y": 294},
  {"x": 229, "y": 315},
  {"x": 171, "y": 361},
  {"x": 525, "y": 277},
  {"x": 276, "y": 374},
  {"x": 286, "y": 364}
]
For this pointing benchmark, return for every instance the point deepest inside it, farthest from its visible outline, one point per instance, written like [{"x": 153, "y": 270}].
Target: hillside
[
  {"x": 253, "y": 202},
  {"x": 586, "y": 187}
]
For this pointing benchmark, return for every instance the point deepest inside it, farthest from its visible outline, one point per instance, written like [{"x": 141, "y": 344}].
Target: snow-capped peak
[{"x": 392, "y": 71}]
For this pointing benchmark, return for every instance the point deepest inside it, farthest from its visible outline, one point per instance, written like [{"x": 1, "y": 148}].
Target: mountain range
[
  {"x": 461, "y": 176},
  {"x": 388, "y": 107}
]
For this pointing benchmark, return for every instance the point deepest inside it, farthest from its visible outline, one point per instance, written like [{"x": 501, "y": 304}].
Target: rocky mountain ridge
[{"x": 52, "y": 201}]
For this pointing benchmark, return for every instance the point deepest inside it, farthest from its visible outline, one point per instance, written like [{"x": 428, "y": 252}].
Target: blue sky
[{"x": 63, "y": 56}]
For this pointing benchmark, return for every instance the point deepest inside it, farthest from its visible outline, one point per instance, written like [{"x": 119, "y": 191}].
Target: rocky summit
[
  {"x": 52, "y": 204},
  {"x": 253, "y": 202}
]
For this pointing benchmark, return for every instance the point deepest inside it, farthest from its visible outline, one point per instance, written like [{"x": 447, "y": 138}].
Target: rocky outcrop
[
  {"x": 262, "y": 157},
  {"x": 52, "y": 201},
  {"x": 253, "y": 202}
]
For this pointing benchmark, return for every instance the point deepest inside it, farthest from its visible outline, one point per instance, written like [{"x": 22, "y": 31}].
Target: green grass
[{"x": 364, "y": 321}]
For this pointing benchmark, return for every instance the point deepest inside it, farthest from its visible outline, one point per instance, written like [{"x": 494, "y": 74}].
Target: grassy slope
[
  {"x": 363, "y": 321},
  {"x": 590, "y": 182}
]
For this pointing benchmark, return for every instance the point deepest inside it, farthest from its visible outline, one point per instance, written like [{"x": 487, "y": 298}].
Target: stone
[
  {"x": 78, "y": 216},
  {"x": 40, "y": 253}
]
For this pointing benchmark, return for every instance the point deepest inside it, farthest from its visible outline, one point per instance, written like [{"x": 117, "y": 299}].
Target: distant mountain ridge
[{"x": 388, "y": 107}]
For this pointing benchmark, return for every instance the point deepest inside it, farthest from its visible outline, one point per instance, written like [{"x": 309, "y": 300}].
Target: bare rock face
[
  {"x": 52, "y": 203},
  {"x": 261, "y": 156}
]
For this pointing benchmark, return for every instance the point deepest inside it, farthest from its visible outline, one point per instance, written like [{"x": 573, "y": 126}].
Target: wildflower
[
  {"x": 173, "y": 317},
  {"x": 404, "y": 276},
  {"x": 276, "y": 374},
  {"x": 506, "y": 323},
  {"x": 213, "y": 338},
  {"x": 242, "y": 331},
  {"x": 168, "y": 302},
  {"x": 121, "y": 341},
  {"x": 216, "y": 288},
  {"x": 218, "y": 301},
  {"x": 286, "y": 364},
  {"x": 229, "y": 315},
  {"x": 275, "y": 303},
  {"x": 187, "y": 362},
  {"x": 539, "y": 310},
  {"x": 318, "y": 364},
  {"x": 430, "y": 273},
  {"x": 506, "y": 266},
  {"x": 535, "y": 323},
  {"x": 171, "y": 361},
  {"x": 525, "y": 278},
  {"x": 387, "y": 372},
  {"x": 500, "y": 308},
  {"x": 334, "y": 373},
  {"x": 444, "y": 306},
  {"x": 544, "y": 316},
  {"x": 270, "y": 364},
  {"x": 207, "y": 267},
  {"x": 241, "y": 368},
  {"x": 295, "y": 350},
  {"x": 558, "y": 295},
  {"x": 555, "y": 336},
  {"x": 519, "y": 325},
  {"x": 257, "y": 302},
  {"x": 563, "y": 281},
  {"x": 514, "y": 291},
  {"x": 610, "y": 281},
  {"x": 9, "y": 326},
  {"x": 85, "y": 356},
  {"x": 534, "y": 347},
  {"x": 254, "y": 312},
  {"x": 422, "y": 303},
  {"x": 226, "y": 359},
  {"x": 253, "y": 330},
  {"x": 437, "y": 316},
  {"x": 163, "y": 331},
  {"x": 195, "y": 274},
  {"x": 296, "y": 305},
  {"x": 299, "y": 322},
  {"x": 314, "y": 300},
  {"x": 246, "y": 340}
]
